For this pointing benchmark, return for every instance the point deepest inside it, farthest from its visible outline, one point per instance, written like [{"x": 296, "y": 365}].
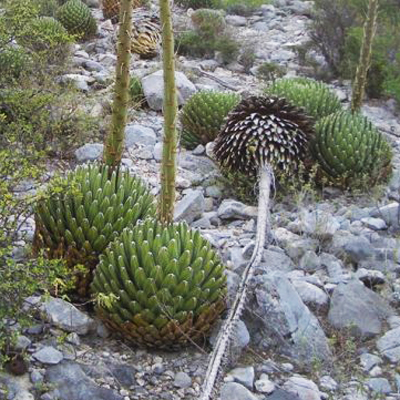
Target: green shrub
[
  {"x": 240, "y": 7},
  {"x": 350, "y": 149},
  {"x": 47, "y": 8},
  {"x": 337, "y": 33},
  {"x": 136, "y": 90},
  {"x": 195, "y": 3},
  {"x": 316, "y": 98},
  {"x": 269, "y": 71},
  {"x": 203, "y": 116},
  {"x": 13, "y": 62},
  {"x": 208, "y": 23}
]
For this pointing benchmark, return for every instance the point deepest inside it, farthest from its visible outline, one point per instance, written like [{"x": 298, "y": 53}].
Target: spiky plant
[
  {"x": 167, "y": 284},
  {"x": 203, "y": 115},
  {"x": 114, "y": 140},
  {"x": 78, "y": 223},
  {"x": 77, "y": 19},
  {"x": 261, "y": 133},
  {"x": 347, "y": 147},
  {"x": 317, "y": 99},
  {"x": 365, "y": 56},
  {"x": 166, "y": 203},
  {"x": 146, "y": 34},
  {"x": 111, "y": 8}
]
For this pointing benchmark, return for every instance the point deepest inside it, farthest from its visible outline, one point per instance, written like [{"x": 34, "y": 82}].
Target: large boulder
[{"x": 153, "y": 88}]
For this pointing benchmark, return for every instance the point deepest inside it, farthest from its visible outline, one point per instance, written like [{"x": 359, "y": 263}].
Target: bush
[
  {"x": 195, "y": 3},
  {"x": 269, "y": 71},
  {"x": 337, "y": 32},
  {"x": 136, "y": 90},
  {"x": 208, "y": 23},
  {"x": 240, "y": 7}
]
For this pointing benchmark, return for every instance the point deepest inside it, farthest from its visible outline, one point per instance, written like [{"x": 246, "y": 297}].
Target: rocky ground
[{"x": 322, "y": 321}]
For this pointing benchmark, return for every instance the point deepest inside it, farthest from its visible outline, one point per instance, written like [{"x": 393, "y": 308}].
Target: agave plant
[
  {"x": 203, "y": 116},
  {"x": 167, "y": 284},
  {"x": 77, "y": 19},
  {"x": 80, "y": 222},
  {"x": 261, "y": 133},
  {"x": 316, "y": 98},
  {"x": 146, "y": 34},
  {"x": 264, "y": 130},
  {"x": 111, "y": 8},
  {"x": 348, "y": 146}
]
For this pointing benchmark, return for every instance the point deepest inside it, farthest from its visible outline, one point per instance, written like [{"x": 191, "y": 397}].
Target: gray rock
[
  {"x": 311, "y": 295},
  {"x": 232, "y": 209},
  {"x": 36, "y": 376},
  {"x": 332, "y": 264},
  {"x": 358, "y": 249},
  {"x": 236, "y": 391},
  {"x": 376, "y": 224},
  {"x": 22, "y": 343},
  {"x": 303, "y": 388},
  {"x": 240, "y": 339},
  {"x": 48, "y": 355},
  {"x": 275, "y": 261},
  {"x": 310, "y": 262},
  {"x": 91, "y": 65},
  {"x": 157, "y": 151},
  {"x": 316, "y": 223},
  {"x": 301, "y": 7},
  {"x": 282, "y": 56},
  {"x": 182, "y": 380},
  {"x": 379, "y": 385},
  {"x": 328, "y": 383},
  {"x": 67, "y": 317},
  {"x": 356, "y": 307},
  {"x": 245, "y": 376},
  {"x": 280, "y": 394},
  {"x": 214, "y": 191},
  {"x": 203, "y": 223},
  {"x": 297, "y": 248},
  {"x": 124, "y": 374},
  {"x": 139, "y": 134},
  {"x": 89, "y": 152},
  {"x": 190, "y": 208},
  {"x": 236, "y": 20},
  {"x": 73, "y": 384},
  {"x": 282, "y": 314},
  {"x": 368, "y": 361},
  {"x": 264, "y": 385},
  {"x": 390, "y": 213},
  {"x": 24, "y": 395},
  {"x": 81, "y": 82},
  {"x": 389, "y": 345},
  {"x": 153, "y": 88}
]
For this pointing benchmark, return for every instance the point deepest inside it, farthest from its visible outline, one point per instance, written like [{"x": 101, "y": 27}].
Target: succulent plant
[
  {"x": 315, "y": 97},
  {"x": 111, "y": 8},
  {"x": 263, "y": 130},
  {"x": 348, "y": 146},
  {"x": 146, "y": 34},
  {"x": 80, "y": 222},
  {"x": 168, "y": 285},
  {"x": 77, "y": 19},
  {"x": 203, "y": 116}
]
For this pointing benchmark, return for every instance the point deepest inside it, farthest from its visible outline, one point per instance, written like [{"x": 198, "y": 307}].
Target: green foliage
[
  {"x": 208, "y": 23},
  {"x": 337, "y": 32},
  {"x": 13, "y": 61},
  {"x": 203, "y": 116},
  {"x": 209, "y": 35},
  {"x": 240, "y": 7},
  {"x": 136, "y": 90},
  {"x": 47, "y": 8},
  {"x": 314, "y": 97},
  {"x": 269, "y": 71},
  {"x": 77, "y": 18},
  {"x": 82, "y": 213},
  {"x": 195, "y": 3},
  {"x": 247, "y": 58},
  {"x": 348, "y": 148},
  {"x": 168, "y": 285},
  {"x": 19, "y": 277}
]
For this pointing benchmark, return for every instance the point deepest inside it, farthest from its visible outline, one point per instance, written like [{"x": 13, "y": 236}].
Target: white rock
[
  {"x": 264, "y": 385},
  {"x": 304, "y": 388}
]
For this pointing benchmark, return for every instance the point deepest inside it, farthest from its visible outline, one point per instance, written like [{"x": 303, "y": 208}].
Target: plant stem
[
  {"x": 170, "y": 108},
  {"x": 365, "y": 56},
  {"x": 114, "y": 141},
  {"x": 227, "y": 330}
]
